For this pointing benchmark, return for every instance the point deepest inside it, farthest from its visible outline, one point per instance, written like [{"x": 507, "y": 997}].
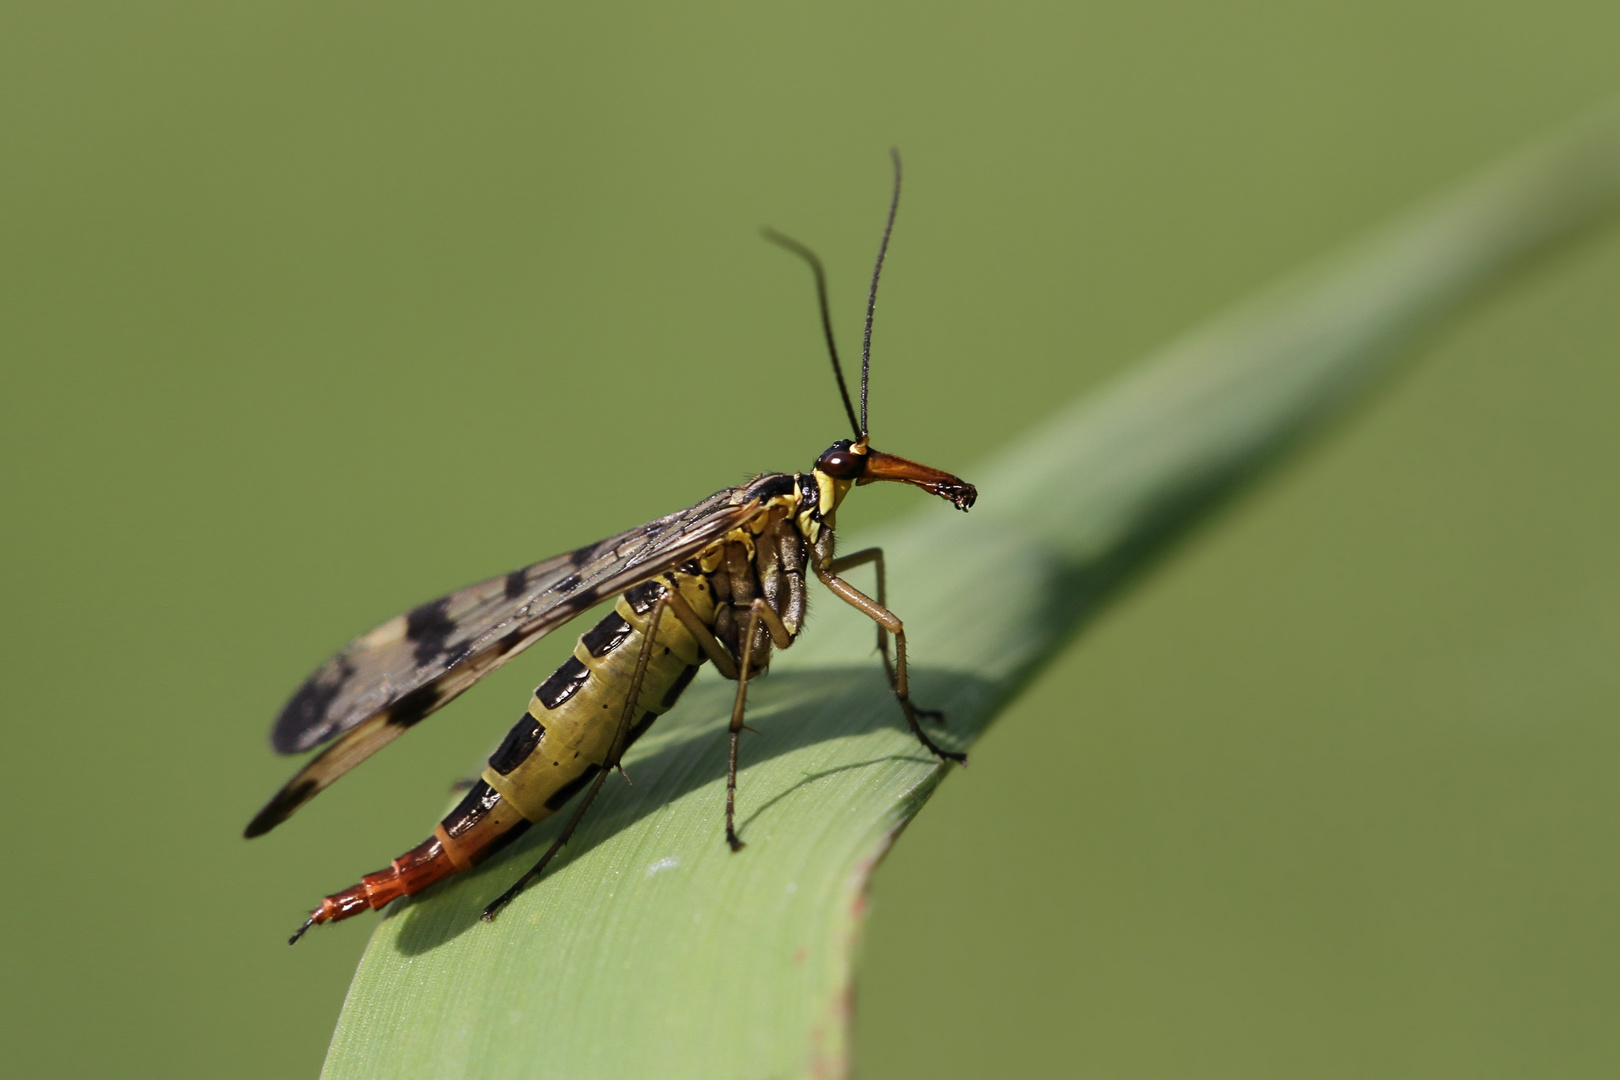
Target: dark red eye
[{"x": 840, "y": 462}]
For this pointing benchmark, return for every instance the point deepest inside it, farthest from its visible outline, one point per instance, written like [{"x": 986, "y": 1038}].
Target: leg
[
  {"x": 758, "y": 611},
  {"x": 891, "y": 623},
  {"x": 615, "y": 749},
  {"x": 875, "y": 555},
  {"x": 557, "y": 845},
  {"x": 711, "y": 646}
]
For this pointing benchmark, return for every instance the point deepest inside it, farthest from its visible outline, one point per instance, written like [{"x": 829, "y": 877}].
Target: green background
[{"x": 310, "y": 312}]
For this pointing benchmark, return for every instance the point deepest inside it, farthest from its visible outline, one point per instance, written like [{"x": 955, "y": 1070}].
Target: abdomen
[
  {"x": 559, "y": 745},
  {"x": 556, "y": 748}
]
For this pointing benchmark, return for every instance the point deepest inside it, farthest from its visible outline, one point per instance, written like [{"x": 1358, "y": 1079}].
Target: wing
[{"x": 386, "y": 681}]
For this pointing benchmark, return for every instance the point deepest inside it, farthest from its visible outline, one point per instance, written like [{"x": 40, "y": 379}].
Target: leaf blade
[{"x": 650, "y": 949}]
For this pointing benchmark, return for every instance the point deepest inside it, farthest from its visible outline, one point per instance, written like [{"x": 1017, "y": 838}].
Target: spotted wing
[{"x": 386, "y": 681}]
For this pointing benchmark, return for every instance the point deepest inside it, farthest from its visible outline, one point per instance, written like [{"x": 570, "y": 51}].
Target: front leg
[
  {"x": 875, "y": 555},
  {"x": 887, "y": 622}
]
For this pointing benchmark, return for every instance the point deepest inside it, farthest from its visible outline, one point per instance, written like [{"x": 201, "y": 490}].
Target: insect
[{"x": 722, "y": 582}]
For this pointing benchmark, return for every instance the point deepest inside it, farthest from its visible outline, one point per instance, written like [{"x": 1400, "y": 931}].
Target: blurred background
[{"x": 312, "y": 311}]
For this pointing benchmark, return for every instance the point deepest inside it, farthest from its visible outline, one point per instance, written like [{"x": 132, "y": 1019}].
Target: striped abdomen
[{"x": 555, "y": 748}]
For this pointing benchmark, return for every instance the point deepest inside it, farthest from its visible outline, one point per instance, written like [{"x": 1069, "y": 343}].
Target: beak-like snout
[{"x": 881, "y": 466}]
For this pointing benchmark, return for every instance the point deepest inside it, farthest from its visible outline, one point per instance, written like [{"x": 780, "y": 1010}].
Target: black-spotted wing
[{"x": 384, "y": 682}]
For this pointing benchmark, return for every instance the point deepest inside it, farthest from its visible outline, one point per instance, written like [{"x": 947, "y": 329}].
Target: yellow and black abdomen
[
  {"x": 558, "y": 746},
  {"x": 564, "y": 739}
]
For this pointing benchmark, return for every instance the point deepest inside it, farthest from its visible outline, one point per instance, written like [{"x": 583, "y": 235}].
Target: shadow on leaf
[{"x": 686, "y": 752}]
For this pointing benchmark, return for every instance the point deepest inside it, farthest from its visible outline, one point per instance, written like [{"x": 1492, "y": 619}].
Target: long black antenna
[
  {"x": 871, "y": 297},
  {"x": 826, "y": 316}
]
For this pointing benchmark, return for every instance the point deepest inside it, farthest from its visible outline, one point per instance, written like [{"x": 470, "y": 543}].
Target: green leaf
[{"x": 649, "y": 949}]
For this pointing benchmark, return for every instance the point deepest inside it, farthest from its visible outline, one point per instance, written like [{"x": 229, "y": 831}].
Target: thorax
[{"x": 764, "y": 559}]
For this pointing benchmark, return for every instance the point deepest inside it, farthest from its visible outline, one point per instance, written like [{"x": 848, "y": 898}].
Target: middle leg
[{"x": 758, "y": 612}]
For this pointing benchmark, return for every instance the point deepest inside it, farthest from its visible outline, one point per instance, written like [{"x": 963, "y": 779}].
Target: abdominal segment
[{"x": 557, "y": 746}]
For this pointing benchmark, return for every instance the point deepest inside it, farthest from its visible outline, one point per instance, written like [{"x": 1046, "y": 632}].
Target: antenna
[
  {"x": 826, "y": 318},
  {"x": 871, "y": 297}
]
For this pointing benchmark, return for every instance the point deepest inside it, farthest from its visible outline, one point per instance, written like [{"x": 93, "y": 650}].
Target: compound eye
[{"x": 840, "y": 462}]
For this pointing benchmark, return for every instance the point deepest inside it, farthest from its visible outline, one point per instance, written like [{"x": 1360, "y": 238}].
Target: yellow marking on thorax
[
  {"x": 830, "y": 493},
  {"x": 775, "y": 509}
]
